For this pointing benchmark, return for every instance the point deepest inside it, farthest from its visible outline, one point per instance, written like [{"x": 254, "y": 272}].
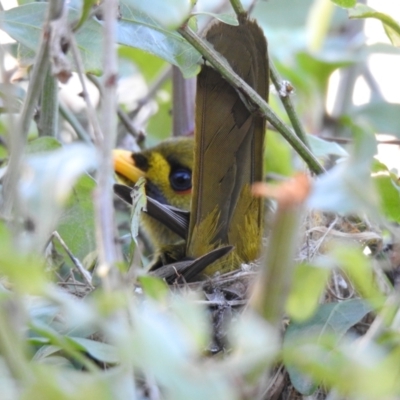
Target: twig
[
  {"x": 238, "y": 8},
  {"x": 91, "y": 112},
  {"x": 256, "y": 101},
  {"x": 109, "y": 254},
  {"x": 18, "y": 139},
  {"x": 85, "y": 274},
  {"x": 284, "y": 90},
  {"x": 75, "y": 124}
]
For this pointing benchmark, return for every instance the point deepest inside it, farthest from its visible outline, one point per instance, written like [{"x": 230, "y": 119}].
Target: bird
[
  {"x": 167, "y": 168},
  {"x": 206, "y": 181}
]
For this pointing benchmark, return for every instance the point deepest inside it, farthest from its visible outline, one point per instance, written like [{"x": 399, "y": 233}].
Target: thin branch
[
  {"x": 109, "y": 254},
  {"x": 18, "y": 139},
  {"x": 254, "y": 98},
  {"x": 75, "y": 124},
  {"x": 284, "y": 90}
]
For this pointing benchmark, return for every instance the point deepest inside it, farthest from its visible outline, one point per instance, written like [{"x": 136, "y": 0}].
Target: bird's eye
[{"x": 181, "y": 179}]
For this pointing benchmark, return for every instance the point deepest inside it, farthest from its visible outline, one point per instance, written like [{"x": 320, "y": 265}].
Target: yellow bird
[
  {"x": 167, "y": 169},
  {"x": 226, "y": 158}
]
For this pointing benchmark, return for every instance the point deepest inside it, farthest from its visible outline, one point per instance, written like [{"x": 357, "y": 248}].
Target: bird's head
[{"x": 166, "y": 167}]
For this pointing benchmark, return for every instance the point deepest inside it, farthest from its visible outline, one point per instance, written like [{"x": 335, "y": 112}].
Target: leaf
[
  {"x": 359, "y": 269},
  {"x": 137, "y": 29},
  {"x": 154, "y": 287},
  {"x": 76, "y": 225},
  {"x": 322, "y": 148},
  {"x": 24, "y": 24},
  {"x": 277, "y": 155},
  {"x": 169, "y": 14},
  {"x": 11, "y": 97},
  {"x": 388, "y": 190},
  {"x": 381, "y": 115},
  {"x": 308, "y": 284},
  {"x": 86, "y": 9},
  {"x": 228, "y": 19},
  {"x": 24, "y": 271},
  {"x": 331, "y": 318},
  {"x": 392, "y": 27},
  {"x": 345, "y": 3},
  {"x": 103, "y": 352},
  {"x": 42, "y": 144}
]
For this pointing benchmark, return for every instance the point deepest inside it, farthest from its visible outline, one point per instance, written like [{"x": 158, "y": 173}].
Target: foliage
[{"x": 68, "y": 332}]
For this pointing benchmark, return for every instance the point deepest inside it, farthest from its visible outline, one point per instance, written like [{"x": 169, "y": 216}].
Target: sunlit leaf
[
  {"x": 345, "y": 3},
  {"x": 391, "y": 26}
]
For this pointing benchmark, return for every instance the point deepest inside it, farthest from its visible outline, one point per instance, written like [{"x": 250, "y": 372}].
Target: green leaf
[
  {"x": 392, "y": 27},
  {"x": 388, "y": 189},
  {"x": 103, "y": 352},
  {"x": 345, "y": 3},
  {"x": 137, "y": 29},
  {"x": 25, "y": 271},
  {"x": 330, "y": 319},
  {"x": 149, "y": 65},
  {"x": 169, "y": 14},
  {"x": 308, "y": 284},
  {"x": 24, "y": 24},
  {"x": 154, "y": 287},
  {"x": 76, "y": 225},
  {"x": 359, "y": 269},
  {"x": 380, "y": 115},
  {"x": 322, "y": 148},
  {"x": 277, "y": 155},
  {"x": 86, "y": 9},
  {"x": 228, "y": 19},
  {"x": 42, "y": 144}
]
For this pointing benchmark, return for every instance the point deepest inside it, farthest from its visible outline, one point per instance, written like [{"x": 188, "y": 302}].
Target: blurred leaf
[
  {"x": 76, "y": 225},
  {"x": 382, "y": 116},
  {"x": 277, "y": 155},
  {"x": 392, "y": 28},
  {"x": 13, "y": 95},
  {"x": 100, "y": 351},
  {"x": 149, "y": 65},
  {"x": 331, "y": 318},
  {"x": 25, "y": 271},
  {"x": 46, "y": 183},
  {"x": 322, "y": 148},
  {"x": 388, "y": 190},
  {"x": 154, "y": 287},
  {"x": 308, "y": 284},
  {"x": 42, "y": 144},
  {"x": 345, "y": 3},
  {"x": 359, "y": 269},
  {"x": 169, "y": 14},
  {"x": 347, "y": 187},
  {"x": 139, "y": 30},
  {"x": 225, "y": 18},
  {"x": 160, "y": 124},
  {"x": 86, "y": 9}
]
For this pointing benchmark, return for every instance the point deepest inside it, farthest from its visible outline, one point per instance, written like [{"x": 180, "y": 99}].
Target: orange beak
[{"x": 124, "y": 165}]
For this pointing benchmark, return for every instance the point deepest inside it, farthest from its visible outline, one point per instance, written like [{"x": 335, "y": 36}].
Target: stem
[
  {"x": 75, "y": 124},
  {"x": 105, "y": 223},
  {"x": 284, "y": 95},
  {"x": 18, "y": 139},
  {"x": 256, "y": 101},
  {"x": 238, "y": 8},
  {"x": 48, "y": 122}
]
